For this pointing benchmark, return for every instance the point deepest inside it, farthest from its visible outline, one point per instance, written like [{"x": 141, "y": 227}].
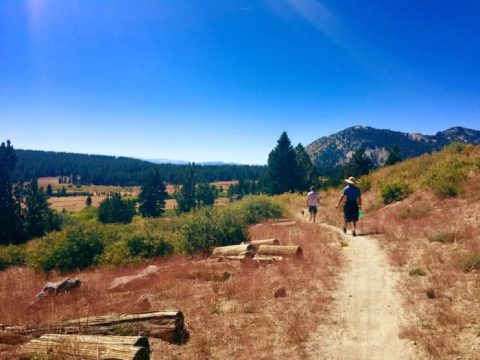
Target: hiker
[
  {"x": 352, "y": 205},
  {"x": 312, "y": 203}
]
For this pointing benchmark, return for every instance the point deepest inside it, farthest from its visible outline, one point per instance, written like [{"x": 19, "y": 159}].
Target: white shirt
[{"x": 312, "y": 198}]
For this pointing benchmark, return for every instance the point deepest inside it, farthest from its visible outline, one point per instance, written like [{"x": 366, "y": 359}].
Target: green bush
[
  {"x": 447, "y": 178},
  {"x": 12, "y": 255},
  {"x": 259, "y": 208},
  {"x": 417, "y": 272},
  {"x": 116, "y": 210},
  {"x": 447, "y": 236},
  {"x": 394, "y": 191},
  {"x": 471, "y": 263},
  {"x": 77, "y": 247}
]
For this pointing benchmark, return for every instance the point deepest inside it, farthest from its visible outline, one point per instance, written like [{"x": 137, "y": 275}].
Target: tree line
[{"x": 120, "y": 171}]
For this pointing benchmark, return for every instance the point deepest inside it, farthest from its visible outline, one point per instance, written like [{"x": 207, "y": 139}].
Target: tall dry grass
[{"x": 234, "y": 316}]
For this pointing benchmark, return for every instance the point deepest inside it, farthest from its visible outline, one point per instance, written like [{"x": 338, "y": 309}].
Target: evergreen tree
[
  {"x": 360, "y": 164},
  {"x": 393, "y": 156},
  {"x": 282, "y": 167},
  {"x": 186, "y": 195},
  {"x": 115, "y": 210},
  {"x": 206, "y": 195},
  {"x": 49, "y": 191},
  {"x": 306, "y": 170},
  {"x": 37, "y": 212},
  {"x": 153, "y": 195},
  {"x": 11, "y": 230},
  {"x": 88, "y": 201}
]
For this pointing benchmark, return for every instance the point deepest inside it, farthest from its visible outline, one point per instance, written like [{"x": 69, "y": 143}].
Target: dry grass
[{"x": 229, "y": 316}]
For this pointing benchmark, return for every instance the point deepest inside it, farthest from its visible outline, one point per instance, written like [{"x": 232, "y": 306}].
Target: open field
[{"x": 233, "y": 316}]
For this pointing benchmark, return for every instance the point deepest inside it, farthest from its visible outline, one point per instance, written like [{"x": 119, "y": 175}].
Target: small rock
[
  {"x": 280, "y": 292},
  {"x": 58, "y": 287}
]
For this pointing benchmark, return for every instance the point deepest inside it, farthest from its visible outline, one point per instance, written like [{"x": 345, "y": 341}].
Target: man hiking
[
  {"x": 352, "y": 205},
  {"x": 312, "y": 203}
]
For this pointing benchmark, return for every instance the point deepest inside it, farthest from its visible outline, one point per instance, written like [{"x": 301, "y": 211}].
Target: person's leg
[
  {"x": 345, "y": 227},
  {"x": 354, "y": 228}
]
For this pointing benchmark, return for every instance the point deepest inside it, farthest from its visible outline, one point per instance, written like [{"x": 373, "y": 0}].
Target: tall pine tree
[
  {"x": 11, "y": 230},
  {"x": 153, "y": 195},
  {"x": 37, "y": 212},
  {"x": 307, "y": 175},
  {"x": 282, "y": 175},
  {"x": 393, "y": 156},
  {"x": 186, "y": 195},
  {"x": 360, "y": 164}
]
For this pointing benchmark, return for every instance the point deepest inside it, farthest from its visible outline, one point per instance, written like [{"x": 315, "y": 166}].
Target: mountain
[
  {"x": 182, "y": 162},
  {"x": 335, "y": 150}
]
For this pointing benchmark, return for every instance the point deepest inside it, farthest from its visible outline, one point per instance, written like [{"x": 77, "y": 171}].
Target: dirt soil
[{"x": 367, "y": 312}]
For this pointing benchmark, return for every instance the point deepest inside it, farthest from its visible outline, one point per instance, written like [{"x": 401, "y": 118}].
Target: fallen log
[
  {"x": 267, "y": 258},
  {"x": 232, "y": 250},
  {"x": 280, "y": 250},
  {"x": 121, "y": 282},
  {"x": 64, "y": 285},
  {"x": 88, "y": 347},
  {"x": 288, "y": 223},
  {"x": 165, "y": 325},
  {"x": 257, "y": 243}
]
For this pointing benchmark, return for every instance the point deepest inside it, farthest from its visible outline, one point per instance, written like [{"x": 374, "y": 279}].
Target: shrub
[
  {"x": 446, "y": 178},
  {"x": 12, "y": 255},
  {"x": 259, "y": 208},
  {"x": 77, "y": 247},
  {"x": 471, "y": 263},
  {"x": 365, "y": 183},
  {"x": 394, "y": 191},
  {"x": 444, "y": 237},
  {"x": 417, "y": 272}
]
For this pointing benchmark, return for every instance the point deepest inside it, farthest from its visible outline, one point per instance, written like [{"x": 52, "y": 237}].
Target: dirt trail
[{"x": 367, "y": 310}]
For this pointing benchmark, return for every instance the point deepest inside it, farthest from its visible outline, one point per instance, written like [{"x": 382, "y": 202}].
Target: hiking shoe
[
  {"x": 344, "y": 230},
  {"x": 354, "y": 233}
]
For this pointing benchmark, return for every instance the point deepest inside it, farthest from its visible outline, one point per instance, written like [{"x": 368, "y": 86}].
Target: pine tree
[
  {"x": 282, "y": 167},
  {"x": 11, "y": 230},
  {"x": 115, "y": 210},
  {"x": 36, "y": 210},
  {"x": 186, "y": 195},
  {"x": 360, "y": 164},
  {"x": 393, "y": 156},
  {"x": 152, "y": 195},
  {"x": 306, "y": 170},
  {"x": 206, "y": 195},
  {"x": 49, "y": 191}
]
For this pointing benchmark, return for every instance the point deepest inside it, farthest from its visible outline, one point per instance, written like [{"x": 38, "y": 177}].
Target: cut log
[
  {"x": 288, "y": 223},
  {"x": 256, "y": 243},
  {"x": 232, "y": 250},
  {"x": 165, "y": 325},
  {"x": 267, "y": 258},
  {"x": 87, "y": 347},
  {"x": 121, "y": 282},
  {"x": 280, "y": 250}
]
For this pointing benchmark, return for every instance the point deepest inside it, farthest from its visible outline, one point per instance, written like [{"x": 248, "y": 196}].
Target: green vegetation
[
  {"x": 394, "y": 191},
  {"x": 471, "y": 263},
  {"x": 417, "y": 272},
  {"x": 152, "y": 196},
  {"x": 444, "y": 237},
  {"x": 360, "y": 164},
  {"x": 445, "y": 173},
  {"x": 393, "y": 156},
  {"x": 116, "y": 210},
  {"x": 85, "y": 243}
]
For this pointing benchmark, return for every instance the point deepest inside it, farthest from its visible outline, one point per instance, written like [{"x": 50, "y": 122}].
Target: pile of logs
[
  {"x": 97, "y": 337},
  {"x": 266, "y": 250}
]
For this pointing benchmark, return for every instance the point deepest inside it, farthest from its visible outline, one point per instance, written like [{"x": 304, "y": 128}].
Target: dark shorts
[
  {"x": 312, "y": 209},
  {"x": 350, "y": 211}
]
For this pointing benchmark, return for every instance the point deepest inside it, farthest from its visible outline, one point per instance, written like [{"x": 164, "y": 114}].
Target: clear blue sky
[{"x": 203, "y": 80}]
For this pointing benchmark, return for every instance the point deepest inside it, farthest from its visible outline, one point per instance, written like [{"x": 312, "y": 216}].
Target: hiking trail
[{"x": 367, "y": 309}]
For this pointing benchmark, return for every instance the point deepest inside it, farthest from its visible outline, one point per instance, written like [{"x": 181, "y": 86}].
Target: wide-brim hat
[{"x": 351, "y": 180}]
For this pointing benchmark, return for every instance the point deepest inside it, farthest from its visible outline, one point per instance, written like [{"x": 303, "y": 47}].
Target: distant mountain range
[{"x": 335, "y": 150}]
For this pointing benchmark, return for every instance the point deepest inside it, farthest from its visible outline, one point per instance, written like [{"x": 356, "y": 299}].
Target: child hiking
[{"x": 312, "y": 203}]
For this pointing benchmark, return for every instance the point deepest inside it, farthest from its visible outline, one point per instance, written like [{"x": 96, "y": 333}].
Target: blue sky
[{"x": 205, "y": 80}]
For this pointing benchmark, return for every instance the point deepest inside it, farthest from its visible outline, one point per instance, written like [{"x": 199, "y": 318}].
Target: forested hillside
[{"x": 122, "y": 171}]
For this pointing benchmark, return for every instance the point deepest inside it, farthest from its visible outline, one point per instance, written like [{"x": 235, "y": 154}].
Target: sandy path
[{"x": 367, "y": 310}]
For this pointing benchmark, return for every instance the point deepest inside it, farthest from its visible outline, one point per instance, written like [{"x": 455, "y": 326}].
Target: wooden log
[
  {"x": 140, "y": 341},
  {"x": 280, "y": 250},
  {"x": 165, "y": 325},
  {"x": 289, "y": 223},
  {"x": 85, "y": 347},
  {"x": 232, "y": 250},
  {"x": 273, "y": 241},
  {"x": 267, "y": 258}
]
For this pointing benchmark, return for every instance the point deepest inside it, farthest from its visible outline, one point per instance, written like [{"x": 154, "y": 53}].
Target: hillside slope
[{"x": 334, "y": 150}]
